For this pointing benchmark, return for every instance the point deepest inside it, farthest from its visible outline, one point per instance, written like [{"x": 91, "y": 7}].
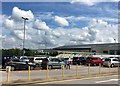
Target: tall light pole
[
  {"x": 115, "y": 52},
  {"x": 25, "y": 19}
]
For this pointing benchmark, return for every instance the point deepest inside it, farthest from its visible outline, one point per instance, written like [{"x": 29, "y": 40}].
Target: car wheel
[
  {"x": 12, "y": 68},
  {"x": 31, "y": 67},
  {"x": 50, "y": 67},
  {"x": 112, "y": 66},
  {"x": 37, "y": 65}
]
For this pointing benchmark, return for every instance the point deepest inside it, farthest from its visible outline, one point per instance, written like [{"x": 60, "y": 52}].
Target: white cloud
[
  {"x": 92, "y": 2},
  {"x": 61, "y": 21},
  {"x": 38, "y": 24},
  {"x": 2, "y": 36},
  {"x": 18, "y": 13},
  {"x": 20, "y": 35},
  {"x": 98, "y": 23},
  {"x": 84, "y": 18},
  {"x": 8, "y": 23}
]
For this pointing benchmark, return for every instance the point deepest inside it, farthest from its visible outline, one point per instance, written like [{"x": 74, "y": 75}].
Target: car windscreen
[
  {"x": 107, "y": 59},
  {"x": 45, "y": 59},
  {"x": 31, "y": 59}
]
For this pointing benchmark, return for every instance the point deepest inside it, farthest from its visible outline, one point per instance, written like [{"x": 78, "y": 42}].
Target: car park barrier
[
  {"x": 28, "y": 72},
  {"x": 76, "y": 70},
  {"x": 62, "y": 71},
  {"x": 8, "y": 68},
  {"x": 47, "y": 73}
]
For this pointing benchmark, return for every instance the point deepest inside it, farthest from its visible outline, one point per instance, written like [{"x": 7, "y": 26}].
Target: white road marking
[{"x": 108, "y": 80}]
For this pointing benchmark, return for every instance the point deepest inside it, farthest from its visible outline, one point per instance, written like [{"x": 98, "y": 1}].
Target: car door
[
  {"x": 22, "y": 65},
  {"x": 115, "y": 62},
  {"x": 54, "y": 63}
]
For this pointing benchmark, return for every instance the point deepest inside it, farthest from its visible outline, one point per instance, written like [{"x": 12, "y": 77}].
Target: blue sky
[
  {"x": 64, "y": 17},
  {"x": 65, "y": 9}
]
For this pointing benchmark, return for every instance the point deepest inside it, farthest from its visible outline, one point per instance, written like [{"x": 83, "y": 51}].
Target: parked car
[
  {"x": 111, "y": 62},
  {"x": 94, "y": 61},
  {"x": 37, "y": 60},
  {"x": 79, "y": 60},
  {"x": 18, "y": 64},
  {"x": 52, "y": 63}
]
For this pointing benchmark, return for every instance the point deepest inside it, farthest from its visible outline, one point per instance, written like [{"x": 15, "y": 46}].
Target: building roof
[{"x": 85, "y": 45}]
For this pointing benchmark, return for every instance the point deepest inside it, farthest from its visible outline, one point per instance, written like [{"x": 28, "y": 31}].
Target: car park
[
  {"x": 51, "y": 63},
  {"x": 94, "y": 61},
  {"x": 18, "y": 64},
  {"x": 111, "y": 62}
]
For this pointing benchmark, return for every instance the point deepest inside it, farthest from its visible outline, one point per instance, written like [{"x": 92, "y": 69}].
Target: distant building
[{"x": 107, "y": 48}]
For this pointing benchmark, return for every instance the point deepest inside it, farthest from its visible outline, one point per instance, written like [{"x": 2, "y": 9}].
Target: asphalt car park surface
[
  {"x": 94, "y": 80},
  {"x": 39, "y": 74}
]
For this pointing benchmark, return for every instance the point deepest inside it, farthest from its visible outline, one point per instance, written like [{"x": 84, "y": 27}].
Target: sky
[{"x": 53, "y": 24}]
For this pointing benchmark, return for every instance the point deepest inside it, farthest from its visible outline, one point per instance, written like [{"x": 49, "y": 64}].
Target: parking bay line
[{"x": 107, "y": 80}]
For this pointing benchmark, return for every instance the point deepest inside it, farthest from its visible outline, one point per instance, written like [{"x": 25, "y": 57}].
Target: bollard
[
  {"x": 47, "y": 73},
  {"x": 62, "y": 69},
  {"x": 76, "y": 70},
  {"x": 28, "y": 72},
  {"x": 109, "y": 70},
  {"x": 99, "y": 70},
  {"x": 8, "y": 74},
  {"x": 118, "y": 67},
  {"x": 88, "y": 70}
]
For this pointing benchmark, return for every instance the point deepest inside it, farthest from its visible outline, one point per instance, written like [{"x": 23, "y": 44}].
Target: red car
[{"x": 94, "y": 61}]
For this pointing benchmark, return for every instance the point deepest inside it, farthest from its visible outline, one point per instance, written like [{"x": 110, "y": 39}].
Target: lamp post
[
  {"x": 115, "y": 49},
  {"x": 25, "y": 19}
]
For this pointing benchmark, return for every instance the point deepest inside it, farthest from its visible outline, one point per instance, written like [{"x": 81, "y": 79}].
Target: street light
[
  {"x": 115, "y": 52},
  {"x": 25, "y": 19}
]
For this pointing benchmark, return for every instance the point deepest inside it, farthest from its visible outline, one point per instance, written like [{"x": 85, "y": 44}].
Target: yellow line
[{"x": 74, "y": 79}]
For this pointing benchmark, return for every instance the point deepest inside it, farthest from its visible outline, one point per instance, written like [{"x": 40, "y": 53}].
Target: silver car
[{"x": 111, "y": 62}]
